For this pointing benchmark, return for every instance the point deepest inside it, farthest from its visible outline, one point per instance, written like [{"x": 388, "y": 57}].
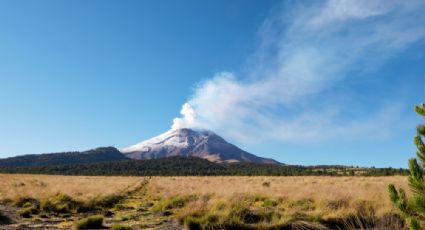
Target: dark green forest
[
  {"x": 101, "y": 154},
  {"x": 193, "y": 166}
]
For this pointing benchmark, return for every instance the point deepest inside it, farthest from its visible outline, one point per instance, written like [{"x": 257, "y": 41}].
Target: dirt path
[{"x": 135, "y": 211}]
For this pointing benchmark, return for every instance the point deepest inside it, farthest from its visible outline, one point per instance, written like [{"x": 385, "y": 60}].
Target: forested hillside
[
  {"x": 184, "y": 166},
  {"x": 102, "y": 154}
]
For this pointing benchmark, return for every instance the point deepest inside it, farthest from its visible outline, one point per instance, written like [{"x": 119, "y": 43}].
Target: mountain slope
[
  {"x": 188, "y": 142},
  {"x": 102, "y": 154}
]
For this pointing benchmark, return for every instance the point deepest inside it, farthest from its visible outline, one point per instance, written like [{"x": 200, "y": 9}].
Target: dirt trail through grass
[{"x": 135, "y": 210}]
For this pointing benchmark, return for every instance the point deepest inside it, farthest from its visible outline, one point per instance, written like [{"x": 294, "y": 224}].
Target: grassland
[
  {"x": 372, "y": 190},
  {"x": 220, "y": 202},
  {"x": 80, "y": 187}
]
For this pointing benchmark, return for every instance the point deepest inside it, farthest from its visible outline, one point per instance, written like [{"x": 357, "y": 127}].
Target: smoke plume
[{"x": 306, "y": 54}]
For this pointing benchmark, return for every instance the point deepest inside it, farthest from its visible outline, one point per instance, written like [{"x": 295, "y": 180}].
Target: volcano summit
[{"x": 188, "y": 142}]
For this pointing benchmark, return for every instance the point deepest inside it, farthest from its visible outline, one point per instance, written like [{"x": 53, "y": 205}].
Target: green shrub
[
  {"x": 270, "y": 203},
  {"x": 177, "y": 202},
  {"x": 173, "y": 202},
  {"x": 29, "y": 207},
  {"x": 100, "y": 203},
  {"x": 109, "y": 201},
  {"x": 92, "y": 222},
  {"x": 60, "y": 204},
  {"x": 21, "y": 201}
]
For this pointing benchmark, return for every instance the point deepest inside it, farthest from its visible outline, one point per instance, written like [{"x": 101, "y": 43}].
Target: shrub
[
  {"x": 92, "y": 222},
  {"x": 177, "y": 202},
  {"x": 173, "y": 202},
  {"x": 270, "y": 203},
  {"x": 21, "y": 201},
  {"x": 109, "y": 201},
  {"x": 100, "y": 203},
  {"x": 29, "y": 206},
  {"x": 60, "y": 204}
]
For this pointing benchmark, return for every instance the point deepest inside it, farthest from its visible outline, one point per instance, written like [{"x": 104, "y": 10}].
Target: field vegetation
[
  {"x": 195, "y": 202},
  {"x": 13, "y": 186},
  {"x": 279, "y": 202}
]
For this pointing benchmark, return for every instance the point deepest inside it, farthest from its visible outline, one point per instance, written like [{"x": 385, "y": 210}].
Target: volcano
[{"x": 188, "y": 142}]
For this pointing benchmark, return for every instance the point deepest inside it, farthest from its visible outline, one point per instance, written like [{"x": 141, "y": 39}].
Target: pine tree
[{"x": 413, "y": 208}]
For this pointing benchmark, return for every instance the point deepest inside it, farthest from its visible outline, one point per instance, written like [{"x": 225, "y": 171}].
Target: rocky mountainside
[{"x": 188, "y": 142}]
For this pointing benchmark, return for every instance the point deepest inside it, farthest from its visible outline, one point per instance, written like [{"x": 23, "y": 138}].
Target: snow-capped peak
[
  {"x": 187, "y": 142},
  {"x": 179, "y": 138}
]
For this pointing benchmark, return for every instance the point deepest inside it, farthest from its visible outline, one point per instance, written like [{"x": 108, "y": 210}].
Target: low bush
[
  {"x": 270, "y": 203},
  {"x": 172, "y": 202},
  {"x": 92, "y": 222},
  {"x": 29, "y": 206},
  {"x": 24, "y": 201},
  {"x": 100, "y": 203}
]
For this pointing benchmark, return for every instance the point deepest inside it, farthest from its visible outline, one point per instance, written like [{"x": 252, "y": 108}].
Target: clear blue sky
[{"x": 76, "y": 75}]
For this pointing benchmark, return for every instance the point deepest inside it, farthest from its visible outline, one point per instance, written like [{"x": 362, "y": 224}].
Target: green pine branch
[{"x": 413, "y": 208}]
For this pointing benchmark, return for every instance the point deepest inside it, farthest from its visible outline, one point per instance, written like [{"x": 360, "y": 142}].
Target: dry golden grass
[
  {"x": 225, "y": 200},
  {"x": 326, "y": 192},
  {"x": 45, "y": 186},
  {"x": 323, "y": 190}
]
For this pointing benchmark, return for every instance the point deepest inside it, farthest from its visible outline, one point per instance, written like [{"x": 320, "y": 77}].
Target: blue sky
[{"x": 329, "y": 82}]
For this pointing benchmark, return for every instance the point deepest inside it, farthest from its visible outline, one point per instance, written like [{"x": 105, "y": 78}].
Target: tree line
[{"x": 193, "y": 166}]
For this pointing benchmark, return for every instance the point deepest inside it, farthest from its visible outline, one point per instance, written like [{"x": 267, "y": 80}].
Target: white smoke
[
  {"x": 301, "y": 58},
  {"x": 188, "y": 120}
]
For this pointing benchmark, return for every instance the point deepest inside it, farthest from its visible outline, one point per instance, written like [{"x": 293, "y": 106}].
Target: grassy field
[
  {"x": 310, "y": 202},
  {"x": 45, "y": 186},
  {"x": 320, "y": 189}
]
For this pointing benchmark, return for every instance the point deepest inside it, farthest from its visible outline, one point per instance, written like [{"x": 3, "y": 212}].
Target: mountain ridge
[{"x": 101, "y": 154}]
